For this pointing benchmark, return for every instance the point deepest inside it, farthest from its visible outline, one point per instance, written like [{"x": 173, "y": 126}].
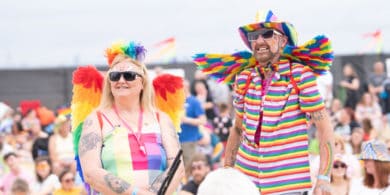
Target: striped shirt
[{"x": 279, "y": 162}]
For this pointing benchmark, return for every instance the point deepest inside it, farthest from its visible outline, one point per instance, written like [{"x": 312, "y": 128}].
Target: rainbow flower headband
[{"x": 132, "y": 49}]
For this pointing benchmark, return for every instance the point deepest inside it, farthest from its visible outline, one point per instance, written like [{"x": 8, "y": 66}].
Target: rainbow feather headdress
[
  {"x": 88, "y": 85},
  {"x": 316, "y": 53},
  {"x": 132, "y": 49}
]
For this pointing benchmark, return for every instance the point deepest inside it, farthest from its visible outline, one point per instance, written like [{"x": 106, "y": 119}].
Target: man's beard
[{"x": 264, "y": 58}]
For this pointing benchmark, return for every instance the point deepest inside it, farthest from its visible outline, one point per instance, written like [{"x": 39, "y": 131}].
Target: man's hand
[{"x": 322, "y": 188}]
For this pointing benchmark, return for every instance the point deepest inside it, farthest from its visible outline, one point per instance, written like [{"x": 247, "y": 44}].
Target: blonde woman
[
  {"x": 61, "y": 146},
  {"x": 127, "y": 143},
  {"x": 339, "y": 179}
]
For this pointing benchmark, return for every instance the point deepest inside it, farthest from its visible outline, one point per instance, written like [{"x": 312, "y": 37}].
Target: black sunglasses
[
  {"x": 264, "y": 33},
  {"x": 337, "y": 165},
  {"x": 128, "y": 75}
]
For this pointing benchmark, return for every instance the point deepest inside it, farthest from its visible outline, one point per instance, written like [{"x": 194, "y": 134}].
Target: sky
[{"x": 47, "y": 33}]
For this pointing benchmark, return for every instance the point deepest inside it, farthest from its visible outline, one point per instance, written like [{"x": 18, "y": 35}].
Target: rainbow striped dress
[
  {"x": 279, "y": 162},
  {"x": 121, "y": 155}
]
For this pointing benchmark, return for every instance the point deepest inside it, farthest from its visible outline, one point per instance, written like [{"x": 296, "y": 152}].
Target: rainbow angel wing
[
  {"x": 87, "y": 91},
  {"x": 170, "y": 96},
  {"x": 224, "y": 67}
]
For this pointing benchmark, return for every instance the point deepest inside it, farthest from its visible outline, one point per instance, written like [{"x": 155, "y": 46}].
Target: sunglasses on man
[
  {"x": 127, "y": 75},
  {"x": 264, "y": 33}
]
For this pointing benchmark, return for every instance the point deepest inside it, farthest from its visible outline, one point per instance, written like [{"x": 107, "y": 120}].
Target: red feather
[
  {"x": 167, "y": 82},
  {"x": 89, "y": 77}
]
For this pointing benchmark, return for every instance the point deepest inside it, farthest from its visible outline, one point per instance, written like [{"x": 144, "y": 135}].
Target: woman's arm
[
  {"x": 171, "y": 144},
  {"x": 90, "y": 145}
]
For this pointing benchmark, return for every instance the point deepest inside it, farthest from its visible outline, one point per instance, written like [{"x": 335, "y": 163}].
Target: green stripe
[
  {"x": 286, "y": 168},
  {"x": 76, "y": 138},
  {"x": 108, "y": 155},
  {"x": 285, "y": 152}
]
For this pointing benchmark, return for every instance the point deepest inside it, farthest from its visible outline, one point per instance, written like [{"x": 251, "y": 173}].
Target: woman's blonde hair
[{"x": 147, "y": 93}]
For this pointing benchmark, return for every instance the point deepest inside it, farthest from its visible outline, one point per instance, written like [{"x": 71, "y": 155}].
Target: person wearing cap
[
  {"x": 377, "y": 170},
  {"x": 340, "y": 179},
  {"x": 274, "y": 90}
]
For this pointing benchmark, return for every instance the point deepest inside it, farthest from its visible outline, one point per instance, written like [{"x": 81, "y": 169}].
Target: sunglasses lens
[
  {"x": 129, "y": 76},
  {"x": 336, "y": 166},
  {"x": 267, "y": 34},
  {"x": 115, "y": 76},
  {"x": 264, "y": 33}
]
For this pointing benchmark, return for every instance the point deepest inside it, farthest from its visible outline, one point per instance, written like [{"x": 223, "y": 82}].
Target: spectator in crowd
[
  {"x": 190, "y": 134},
  {"x": 220, "y": 92},
  {"x": 30, "y": 121},
  {"x": 5, "y": 148},
  {"x": 20, "y": 187},
  {"x": 339, "y": 179},
  {"x": 341, "y": 148},
  {"x": 199, "y": 168},
  {"x": 40, "y": 147},
  {"x": 61, "y": 146},
  {"x": 223, "y": 123},
  {"x": 334, "y": 111},
  {"x": 17, "y": 126},
  {"x": 47, "y": 182},
  {"x": 377, "y": 170},
  {"x": 6, "y": 119},
  {"x": 346, "y": 123},
  {"x": 227, "y": 181},
  {"x": 370, "y": 109},
  {"x": 354, "y": 145},
  {"x": 68, "y": 187},
  {"x": 351, "y": 83},
  {"x": 376, "y": 80},
  {"x": 370, "y": 132},
  {"x": 15, "y": 171},
  {"x": 202, "y": 93}
]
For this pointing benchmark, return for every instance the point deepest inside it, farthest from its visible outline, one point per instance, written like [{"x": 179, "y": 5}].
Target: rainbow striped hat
[
  {"x": 375, "y": 150},
  {"x": 270, "y": 21}
]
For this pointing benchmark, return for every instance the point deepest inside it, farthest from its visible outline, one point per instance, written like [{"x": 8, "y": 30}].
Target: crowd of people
[
  {"x": 40, "y": 159},
  {"x": 279, "y": 129}
]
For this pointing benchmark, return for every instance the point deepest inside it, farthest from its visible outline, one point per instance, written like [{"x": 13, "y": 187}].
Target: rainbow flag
[
  {"x": 164, "y": 51},
  {"x": 375, "y": 43},
  {"x": 262, "y": 15}
]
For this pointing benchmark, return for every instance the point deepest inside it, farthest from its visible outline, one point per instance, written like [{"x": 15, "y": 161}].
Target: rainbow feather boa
[{"x": 316, "y": 53}]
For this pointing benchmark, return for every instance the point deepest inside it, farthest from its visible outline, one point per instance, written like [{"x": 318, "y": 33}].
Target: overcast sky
[{"x": 47, "y": 33}]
